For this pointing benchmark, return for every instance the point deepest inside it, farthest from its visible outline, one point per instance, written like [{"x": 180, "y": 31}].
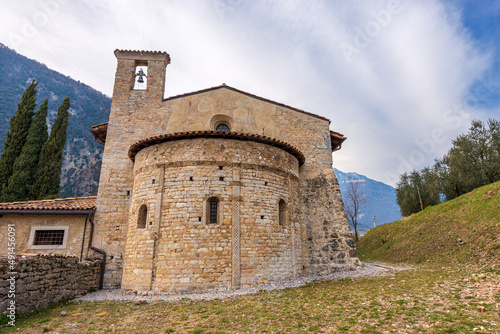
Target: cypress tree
[
  {"x": 48, "y": 174},
  {"x": 16, "y": 137},
  {"x": 20, "y": 186}
]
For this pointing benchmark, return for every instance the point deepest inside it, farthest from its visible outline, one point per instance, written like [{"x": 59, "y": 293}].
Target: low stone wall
[{"x": 42, "y": 279}]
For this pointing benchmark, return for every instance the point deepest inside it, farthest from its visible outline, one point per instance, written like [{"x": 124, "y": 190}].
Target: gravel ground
[{"x": 368, "y": 269}]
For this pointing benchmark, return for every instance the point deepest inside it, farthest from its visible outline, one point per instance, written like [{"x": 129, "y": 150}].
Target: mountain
[
  {"x": 381, "y": 200},
  {"x": 82, "y": 155}
]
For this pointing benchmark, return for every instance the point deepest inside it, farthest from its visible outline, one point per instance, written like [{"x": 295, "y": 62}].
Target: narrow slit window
[
  {"x": 213, "y": 210},
  {"x": 282, "y": 212},
  {"x": 142, "y": 216}
]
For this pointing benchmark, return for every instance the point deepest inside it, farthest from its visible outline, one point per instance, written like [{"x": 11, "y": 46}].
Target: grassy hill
[{"x": 464, "y": 230}]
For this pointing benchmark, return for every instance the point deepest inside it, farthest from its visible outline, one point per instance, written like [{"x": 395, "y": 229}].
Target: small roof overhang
[
  {"x": 337, "y": 139},
  {"x": 70, "y": 206},
  {"x": 99, "y": 131}
]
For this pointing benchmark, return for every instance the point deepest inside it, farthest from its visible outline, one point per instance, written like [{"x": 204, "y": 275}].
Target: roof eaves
[
  {"x": 46, "y": 212},
  {"x": 77, "y": 205},
  {"x": 138, "y": 146}
]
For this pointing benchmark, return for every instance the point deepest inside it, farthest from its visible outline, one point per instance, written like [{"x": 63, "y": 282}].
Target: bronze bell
[{"x": 141, "y": 75}]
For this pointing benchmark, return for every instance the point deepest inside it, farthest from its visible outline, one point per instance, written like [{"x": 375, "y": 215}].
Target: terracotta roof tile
[
  {"x": 143, "y": 51},
  {"x": 143, "y": 55},
  {"x": 135, "y": 148},
  {"x": 60, "y": 204}
]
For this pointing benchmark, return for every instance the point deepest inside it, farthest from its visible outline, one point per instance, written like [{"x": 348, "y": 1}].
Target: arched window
[
  {"x": 142, "y": 216},
  {"x": 212, "y": 210},
  {"x": 282, "y": 212},
  {"x": 222, "y": 126},
  {"x": 221, "y": 122}
]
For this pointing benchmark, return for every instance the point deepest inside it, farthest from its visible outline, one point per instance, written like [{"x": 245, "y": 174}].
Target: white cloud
[{"x": 411, "y": 63}]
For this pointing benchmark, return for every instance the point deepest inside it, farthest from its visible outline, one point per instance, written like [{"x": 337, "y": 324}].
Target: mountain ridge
[
  {"x": 381, "y": 200},
  {"x": 82, "y": 155}
]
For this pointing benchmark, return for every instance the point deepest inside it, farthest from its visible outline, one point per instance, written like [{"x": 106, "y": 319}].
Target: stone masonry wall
[
  {"x": 134, "y": 115},
  {"x": 44, "y": 279},
  {"x": 247, "y": 246},
  {"x": 326, "y": 242}
]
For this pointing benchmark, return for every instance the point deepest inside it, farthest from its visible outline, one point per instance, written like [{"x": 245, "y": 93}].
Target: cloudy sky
[{"x": 399, "y": 78}]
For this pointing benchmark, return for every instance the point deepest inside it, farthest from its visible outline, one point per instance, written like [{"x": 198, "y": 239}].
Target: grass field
[
  {"x": 454, "y": 289},
  {"x": 425, "y": 300}
]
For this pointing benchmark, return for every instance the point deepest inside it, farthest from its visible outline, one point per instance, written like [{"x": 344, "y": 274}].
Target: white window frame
[{"x": 38, "y": 228}]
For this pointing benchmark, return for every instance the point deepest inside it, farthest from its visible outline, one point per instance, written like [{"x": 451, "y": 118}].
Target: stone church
[{"x": 214, "y": 189}]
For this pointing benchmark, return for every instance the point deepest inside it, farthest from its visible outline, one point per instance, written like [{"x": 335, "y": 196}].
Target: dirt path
[{"x": 369, "y": 269}]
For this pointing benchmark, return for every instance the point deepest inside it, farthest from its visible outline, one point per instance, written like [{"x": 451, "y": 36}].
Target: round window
[{"x": 222, "y": 127}]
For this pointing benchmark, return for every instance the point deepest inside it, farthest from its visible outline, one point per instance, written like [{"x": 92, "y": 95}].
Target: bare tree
[{"x": 355, "y": 201}]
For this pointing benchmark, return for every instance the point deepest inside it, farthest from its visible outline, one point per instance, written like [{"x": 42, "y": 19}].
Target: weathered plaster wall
[{"x": 24, "y": 223}]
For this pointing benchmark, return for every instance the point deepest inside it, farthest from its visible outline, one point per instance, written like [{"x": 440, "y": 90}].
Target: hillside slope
[
  {"x": 82, "y": 155},
  {"x": 463, "y": 230},
  {"x": 381, "y": 200}
]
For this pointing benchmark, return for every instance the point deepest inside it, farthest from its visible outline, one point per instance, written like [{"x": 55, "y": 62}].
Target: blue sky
[
  {"x": 482, "y": 21},
  {"x": 399, "y": 78}
]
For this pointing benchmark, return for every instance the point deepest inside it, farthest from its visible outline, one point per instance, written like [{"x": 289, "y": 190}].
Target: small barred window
[{"x": 48, "y": 237}]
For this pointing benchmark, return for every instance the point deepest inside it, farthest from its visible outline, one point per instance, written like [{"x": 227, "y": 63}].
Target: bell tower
[
  {"x": 137, "y": 112},
  {"x": 141, "y": 71}
]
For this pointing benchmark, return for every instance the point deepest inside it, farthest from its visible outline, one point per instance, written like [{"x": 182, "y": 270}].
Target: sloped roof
[
  {"x": 99, "y": 131},
  {"x": 247, "y": 94},
  {"x": 135, "y": 148},
  {"x": 78, "y": 205}
]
